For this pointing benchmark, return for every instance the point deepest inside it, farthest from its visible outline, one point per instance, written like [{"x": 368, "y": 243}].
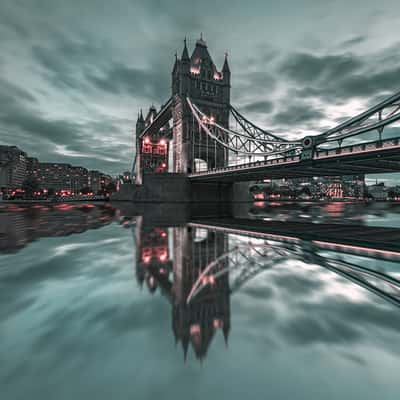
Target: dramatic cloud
[
  {"x": 74, "y": 74},
  {"x": 141, "y": 82},
  {"x": 297, "y": 115},
  {"x": 263, "y": 106}
]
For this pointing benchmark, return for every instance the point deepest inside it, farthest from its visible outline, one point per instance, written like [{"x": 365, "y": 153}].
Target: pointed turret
[
  {"x": 225, "y": 68},
  {"x": 225, "y": 330},
  {"x": 183, "y": 82},
  {"x": 150, "y": 115},
  {"x": 185, "y": 53},
  {"x": 140, "y": 125},
  {"x": 200, "y": 55},
  {"x": 185, "y": 347},
  {"x": 176, "y": 64}
]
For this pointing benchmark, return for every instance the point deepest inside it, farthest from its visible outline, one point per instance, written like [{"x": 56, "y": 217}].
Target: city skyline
[{"x": 71, "y": 92}]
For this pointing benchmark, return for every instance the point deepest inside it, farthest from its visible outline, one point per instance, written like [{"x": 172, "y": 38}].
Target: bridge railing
[
  {"x": 255, "y": 164},
  {"x": 319, "y": 154},
  {"x": 358, "y": 148}
]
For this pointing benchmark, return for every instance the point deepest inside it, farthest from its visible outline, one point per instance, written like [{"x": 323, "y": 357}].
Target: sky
[{"x": 74, "y": 74}]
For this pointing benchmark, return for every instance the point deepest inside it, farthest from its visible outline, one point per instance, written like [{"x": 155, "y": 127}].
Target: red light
[
  {"x": 163, "y": 165},
  {"x": 147, "y": 140},
  {"x": 217, "y": 323},
  {"x": 195, "y": 329},
  {"x": 162, "y": 142}
]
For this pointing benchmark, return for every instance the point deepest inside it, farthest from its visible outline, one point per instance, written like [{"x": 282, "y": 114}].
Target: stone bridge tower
[{"x": 197, "y": 77}]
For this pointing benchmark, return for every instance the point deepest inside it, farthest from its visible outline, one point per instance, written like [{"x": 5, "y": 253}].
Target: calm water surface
[{"x": 124, "y": 303}]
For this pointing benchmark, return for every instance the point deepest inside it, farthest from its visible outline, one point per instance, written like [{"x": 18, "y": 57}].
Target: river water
[{"x": 127, "y": 302}]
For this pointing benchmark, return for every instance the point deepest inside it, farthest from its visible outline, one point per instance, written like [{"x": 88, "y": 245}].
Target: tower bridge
[{"x": 199, "y": 136}]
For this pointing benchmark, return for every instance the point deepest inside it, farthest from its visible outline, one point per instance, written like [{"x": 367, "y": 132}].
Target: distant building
[
  {"x": 94, "y": 181},
  {"x": 105, "y": 180},
  {"x": 13, "y": 167},
  {"x": 16, "y": 166},
  {"x": 331, "y": 187},
  {"x": 58, "y": 176},
  {"x": 126, "y": 177},
  {"x": 378, "y": 191},
  {"x": 79, "y": 178}
]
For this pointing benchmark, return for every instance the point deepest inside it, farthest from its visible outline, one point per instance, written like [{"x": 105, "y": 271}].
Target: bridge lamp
[
  {"x": 147, "y": 140},
  {"x": 163, "y": 142},
  {"x": 163, "y": 257}
]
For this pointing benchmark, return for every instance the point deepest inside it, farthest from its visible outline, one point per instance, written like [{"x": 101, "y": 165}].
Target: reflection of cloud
[
  {"x": 307, "y": 305},
  {"x": 66, "y": 248}
]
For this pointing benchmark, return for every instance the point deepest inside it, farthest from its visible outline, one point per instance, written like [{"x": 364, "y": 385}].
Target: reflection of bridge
[
  {"x": 198, "y": 266},
  {"x": 199, "y": 134},
  {"x": 247, "y": 261}
]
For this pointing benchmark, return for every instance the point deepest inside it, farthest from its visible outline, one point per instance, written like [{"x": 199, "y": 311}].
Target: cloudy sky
[{"x": 73, "y": 74}]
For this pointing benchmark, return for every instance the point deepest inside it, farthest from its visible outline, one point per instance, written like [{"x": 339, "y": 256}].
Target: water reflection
[
  {"x": 198, "y": 267},
  {"x": 80, "y": 311},
  {"x": 172, "y": 260},
  {"x": 23, "y": 224},
  {"x": 360, "y": 213}
]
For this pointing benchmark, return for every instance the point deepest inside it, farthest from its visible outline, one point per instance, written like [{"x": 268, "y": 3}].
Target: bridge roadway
[
  {"x": 381, "y": 156},
  {"x": 370, "y": 241}
]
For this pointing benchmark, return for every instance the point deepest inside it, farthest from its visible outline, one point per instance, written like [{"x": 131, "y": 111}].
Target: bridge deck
[{"x": 367, "y": 158}]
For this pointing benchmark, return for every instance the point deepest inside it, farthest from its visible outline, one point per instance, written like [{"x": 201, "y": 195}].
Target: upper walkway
[{"x": 381, "y": 156}]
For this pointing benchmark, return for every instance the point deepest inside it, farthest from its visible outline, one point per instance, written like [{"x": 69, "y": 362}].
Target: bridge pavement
[{"x": 367, "y": 158}]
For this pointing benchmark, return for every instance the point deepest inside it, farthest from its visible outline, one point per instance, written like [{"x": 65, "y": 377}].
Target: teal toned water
[{"x": 94, "y": 305}]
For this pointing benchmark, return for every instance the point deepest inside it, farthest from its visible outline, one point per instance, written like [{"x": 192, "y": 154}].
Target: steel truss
[
  {"x": 252, "y": 142},
  {"x": 375, "y": 119}
]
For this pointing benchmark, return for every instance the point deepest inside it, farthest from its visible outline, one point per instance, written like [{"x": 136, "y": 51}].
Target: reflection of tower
[
  {"x": 152, "y": 257},
  {"x": 198, "y": 321},
  {"x": 191, "y": 252}
]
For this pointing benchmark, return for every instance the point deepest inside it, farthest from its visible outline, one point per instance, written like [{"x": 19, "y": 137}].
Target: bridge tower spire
[
  {"x": 185, "y": 53},
  {"x": 196, "y": 77}
]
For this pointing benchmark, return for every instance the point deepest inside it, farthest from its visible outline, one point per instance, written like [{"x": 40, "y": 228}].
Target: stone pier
[{"x": 177, "y": 188}]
